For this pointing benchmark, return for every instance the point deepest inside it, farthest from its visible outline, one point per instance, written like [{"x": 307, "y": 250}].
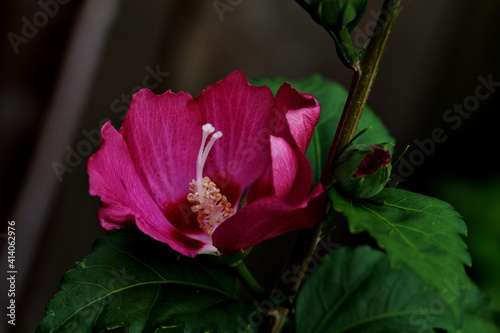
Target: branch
[{"x": 365, "y": 71}]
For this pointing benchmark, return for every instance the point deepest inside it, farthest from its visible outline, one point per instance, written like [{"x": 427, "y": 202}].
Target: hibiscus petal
[
  {"x": 292, "y": 173},
  {"x": 302, "y": 114},
  {"x": 284, "y": 167},
  {"x": 113, "y": 215},
  {"x": 296, "y": 117},
  {"x": 114, "y": 178},
  {"x": 268, "y": 218},
  {"x": 244, "y": 114},
  {"x": 163, "y": 135}
]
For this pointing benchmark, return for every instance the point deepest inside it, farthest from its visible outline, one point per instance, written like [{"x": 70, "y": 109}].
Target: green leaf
[
  {"x": 479, "y": 314},
  {"x": 477, "y": 199},
  {"x": 132, "y": 280},
  {"x": 355, "y": 290},
  {"x": 332, "y": 97},
  {"x": 419, "y": 232},
  {"x": 333, "y": 15}
]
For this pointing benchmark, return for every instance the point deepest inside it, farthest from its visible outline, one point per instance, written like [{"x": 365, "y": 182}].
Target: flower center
[{"x": 212, "y": 206}]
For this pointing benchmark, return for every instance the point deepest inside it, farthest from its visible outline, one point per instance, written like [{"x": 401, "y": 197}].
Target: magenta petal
[
  {"x": 244, "y": 114},
  {"x": 113, "y": 177},
  {"x": 163, "y": 135},
  {"x": 292, "y": 174},
  {"x": 262, "y": 188},
  {"x": 302, "y": 114},
  {"x": 113, "y": 215},
  {"x": 268, "y": 218},
  {"x": 296, "y": 116},
  {"x": 142, "y": 173},
  {"x": 284, "y": 167}
]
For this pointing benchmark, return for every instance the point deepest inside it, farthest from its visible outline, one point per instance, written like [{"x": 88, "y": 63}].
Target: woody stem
[{"x": 365, "y": 72}]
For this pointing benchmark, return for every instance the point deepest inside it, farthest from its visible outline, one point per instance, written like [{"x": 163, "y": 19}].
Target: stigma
[{"x": 211, "y": 206}]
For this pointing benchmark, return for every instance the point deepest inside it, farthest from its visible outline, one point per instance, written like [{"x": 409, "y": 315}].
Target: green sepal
[
  {"x": 337, "y": 14},
  {"x": 365, "y": 186},
  {"x": 339, "y": 18}
]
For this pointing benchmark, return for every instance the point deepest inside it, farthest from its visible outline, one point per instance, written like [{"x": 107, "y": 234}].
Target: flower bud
[
  {"x": 338, "y": 14},
  {"x": 363, "y": 170},
  {"x": 339, "y": 18}
]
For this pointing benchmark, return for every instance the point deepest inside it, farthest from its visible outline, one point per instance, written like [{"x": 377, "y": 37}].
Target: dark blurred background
[{"x": 67, "y": 66}]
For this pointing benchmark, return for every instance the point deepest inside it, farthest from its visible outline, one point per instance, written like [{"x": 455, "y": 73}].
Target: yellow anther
[{"x": 211, "y": 206}]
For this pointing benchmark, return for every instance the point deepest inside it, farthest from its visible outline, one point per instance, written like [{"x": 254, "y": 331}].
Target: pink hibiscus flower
[{"x": 180, "y": 168}]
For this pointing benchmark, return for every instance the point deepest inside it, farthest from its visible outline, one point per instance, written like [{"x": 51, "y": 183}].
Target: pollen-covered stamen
[{"x": 211, "y": 206}]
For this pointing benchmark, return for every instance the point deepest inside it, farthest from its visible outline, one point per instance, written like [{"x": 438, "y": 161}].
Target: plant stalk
[
  {"x": 248, "y": 279},
  {"x": 365, "y": 71},
  {"x": 300, "y": 257}
]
